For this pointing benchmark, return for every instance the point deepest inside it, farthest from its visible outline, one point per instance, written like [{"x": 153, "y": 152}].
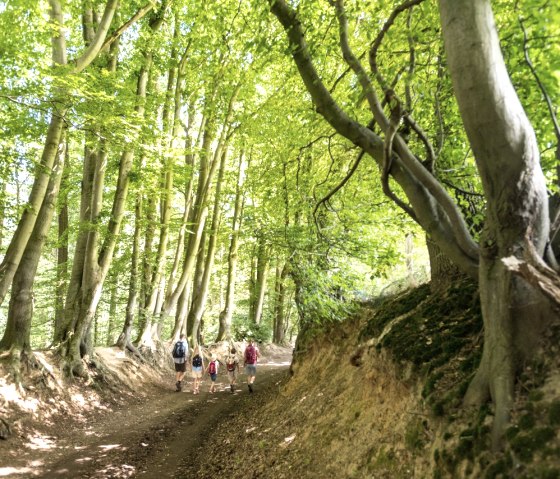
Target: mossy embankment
[{"x": 379, "y": 395}]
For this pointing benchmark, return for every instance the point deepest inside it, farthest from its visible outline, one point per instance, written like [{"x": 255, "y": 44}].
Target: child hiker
[
  {"x": 212, "y": 371},
  {"x": 232, "y": 366},
  {"x": 197, "y": 367}
]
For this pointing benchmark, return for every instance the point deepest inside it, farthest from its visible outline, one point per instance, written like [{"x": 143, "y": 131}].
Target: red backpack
[
  {"x": 251, "y": 354},
  {"x": 212, "y": 367}
]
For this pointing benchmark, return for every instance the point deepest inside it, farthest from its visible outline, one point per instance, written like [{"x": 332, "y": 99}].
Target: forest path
[{"x": 153, "y": 439}]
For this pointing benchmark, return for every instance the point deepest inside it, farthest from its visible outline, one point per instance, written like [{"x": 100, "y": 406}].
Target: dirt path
[{"x": 153, "y": 439}]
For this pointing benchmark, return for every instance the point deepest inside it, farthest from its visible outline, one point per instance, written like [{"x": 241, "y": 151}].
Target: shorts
[
  {"x": 251, "y": 369},
  {"x": 232, "y": 375},
  {"x": 213, "y": 377},
  {"x": 180, "y": 367},
  {"x": 197, "y": 372}
]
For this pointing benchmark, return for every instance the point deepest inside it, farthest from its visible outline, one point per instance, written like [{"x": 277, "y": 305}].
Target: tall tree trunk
[
  {"x": 225, "y": 318},
  {"x": 279, "y": 304},
  {"x": 62, "y": 251},
  {"x": 507, "y": 157},
  {"x": 2, "y": 210},
  {"x": 442, "y": 270},
  {"x": 199, "y": 304},
  {"x": 26, "y": 224},
  {"x": 97, "y": 263},
  {"x": 109, "y": 341},
  {"x": 131, "y": 306},
  {"x": 147, "y": 265},
  {"x": 16, "y": 337},
  {"x": 166, "y": 191},
  {"x": 260, "y": 285}
]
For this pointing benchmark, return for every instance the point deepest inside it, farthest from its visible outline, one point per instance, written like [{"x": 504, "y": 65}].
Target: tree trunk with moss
[{"x": 507, "y": 156}]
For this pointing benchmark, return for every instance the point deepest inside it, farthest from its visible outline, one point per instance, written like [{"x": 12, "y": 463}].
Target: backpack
[
  {"x": 197, "y": 361},
  {"x": 231, "y": 363},
  {"x": 179, "y": 350},
  {"x": 250, "y": 355},
  {"x": 212, "y": 367}
]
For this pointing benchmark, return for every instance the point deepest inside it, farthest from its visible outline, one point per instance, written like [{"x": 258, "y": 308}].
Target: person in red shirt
[{"x": 250, "y": 358}]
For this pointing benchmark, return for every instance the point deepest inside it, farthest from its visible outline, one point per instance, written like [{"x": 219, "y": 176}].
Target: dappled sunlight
[
  {"x": 78, "y": 398},
  {"x": 108, "y": 447},
  {"x": 288, "y": 440},
  {"x": 13, "y": 471},
  {"x": 10, "y": 394},
  {"x": 41, "y": 442}
]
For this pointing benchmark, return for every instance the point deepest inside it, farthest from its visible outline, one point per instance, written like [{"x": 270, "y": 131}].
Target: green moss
[
  {"x": 527, "y": 443},
  {"x": 511, "y": 432},
  {"x": 414, "y": 435},
  {"x": 554, "y": 413},
  {"x": 536, "y": 395},
  {"x": 527, "y": 421},
  {"x": 548, "y": 473},
  {"x": 464, "y": 449},
  {"x": 497, "y": 469}
]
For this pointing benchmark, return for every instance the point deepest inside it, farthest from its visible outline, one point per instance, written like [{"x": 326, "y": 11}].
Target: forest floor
[{"x": 155, "y": 433}]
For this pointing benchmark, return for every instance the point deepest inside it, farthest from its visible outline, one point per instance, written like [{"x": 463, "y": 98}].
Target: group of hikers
[{"x": 180, "y": 355}]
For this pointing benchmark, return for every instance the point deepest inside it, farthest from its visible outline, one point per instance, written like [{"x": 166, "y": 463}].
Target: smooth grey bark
[
  {"x": 507, "y": 157},
  {"x": 16, "y": 338},
  {"x": 261, "y": 271},
  {"x": 199, "y": 303},
  {"x": 280, "y": 323},
  {"x": 62, "y": 250},
  {"x": 225, "y": 317},
  {"x": 98, "y": 259},
  {"x": 124, "y": 338}
]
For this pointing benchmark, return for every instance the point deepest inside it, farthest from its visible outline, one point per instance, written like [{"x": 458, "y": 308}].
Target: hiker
[
  {"x": 250, "y": 358},
  {"x": 212, "y": 371},
  {"x": 197, "y": 367},
  {"x": 232, "y": 366},
  {"x": 180, "y": 353}
]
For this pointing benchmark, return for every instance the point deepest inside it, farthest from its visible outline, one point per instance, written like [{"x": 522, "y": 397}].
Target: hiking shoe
[
  {"x": 232, "y": 388},
  {"x": 250, "y": 388},
  {"x": 178, "y": 386}
]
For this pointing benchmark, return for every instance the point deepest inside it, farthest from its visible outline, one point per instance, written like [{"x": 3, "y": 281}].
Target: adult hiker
[
  {"x": 197, "y": 368},
  {"x": 180, "y": 354},
  {"x": 250, "y": 358},
  {"x": 232, "y": 366}
]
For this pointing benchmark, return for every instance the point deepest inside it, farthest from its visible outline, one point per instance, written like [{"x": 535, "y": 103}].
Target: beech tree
[{"x": 507, "y": 157}]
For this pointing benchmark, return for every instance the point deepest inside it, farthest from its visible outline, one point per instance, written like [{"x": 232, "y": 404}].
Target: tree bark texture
[{"x": 507, "y": 157}]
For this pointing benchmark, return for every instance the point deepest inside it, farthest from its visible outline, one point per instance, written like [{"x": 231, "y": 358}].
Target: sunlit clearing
[{"x": 9, "y": 471}]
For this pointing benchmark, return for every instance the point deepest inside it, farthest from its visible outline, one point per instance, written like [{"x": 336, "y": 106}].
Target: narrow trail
[{"x": 153, "y": 439}]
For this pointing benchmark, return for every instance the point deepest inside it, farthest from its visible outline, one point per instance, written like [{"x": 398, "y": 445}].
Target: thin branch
[
  {"x": 377, "y": 42},
  {"x": 119, "y": 31}
]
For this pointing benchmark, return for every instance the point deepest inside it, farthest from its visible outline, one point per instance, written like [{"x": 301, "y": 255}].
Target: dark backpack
[
  {"x": 197, "y": 361},
  {"x": 250, "y": 355},
  {"x": 212, "y": 367},
  {"x": 179, "y": 350}
]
